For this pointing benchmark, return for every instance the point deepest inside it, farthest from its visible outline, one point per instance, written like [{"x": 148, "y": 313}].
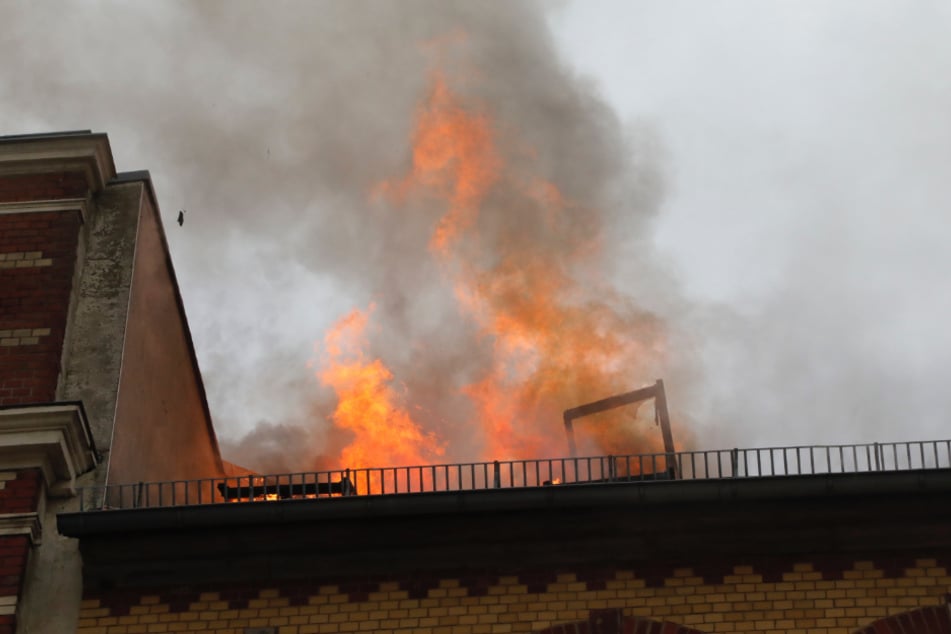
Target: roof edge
[
  {"x": 86, "y": 152},
  {"x": 642, "y": 495}
]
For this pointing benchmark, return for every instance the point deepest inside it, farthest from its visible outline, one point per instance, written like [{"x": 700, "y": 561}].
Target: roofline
[
  {"x": 42, "y": 135},
  {"x": 88, "y": 153},
  {"x": 556, "y": 498}
]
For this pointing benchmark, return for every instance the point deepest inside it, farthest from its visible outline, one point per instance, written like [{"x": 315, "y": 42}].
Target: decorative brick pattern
[
  {"x": 22, "y": 336},
  {"x": 37, "y": 261},
  {"x": 798, "y": 599},
  {"x": 23, "y": 260}
]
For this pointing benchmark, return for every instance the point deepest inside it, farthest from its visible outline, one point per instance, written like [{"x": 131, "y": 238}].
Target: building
[
  {"x": 118, "y": 515},
  {"x": 98, "y": 379}
]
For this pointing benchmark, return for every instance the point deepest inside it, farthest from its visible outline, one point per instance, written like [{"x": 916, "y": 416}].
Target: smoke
[
  {"x": 809, "y": 147},
  {"x": 274, "y": 126}
]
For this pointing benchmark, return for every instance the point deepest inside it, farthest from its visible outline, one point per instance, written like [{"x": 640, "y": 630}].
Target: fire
[
  {"x": 522, "y": 260},
  {"x": 453, "y": 157},
  {"x": 368, "y": 404}
]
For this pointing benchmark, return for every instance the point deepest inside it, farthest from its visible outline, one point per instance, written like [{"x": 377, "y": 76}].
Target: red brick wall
[
  {"x": 37, "y": 260},
  {"x": 25, "y": 187},
  {"x": 20, "y": 493},
  {"x": 14, "y": 550}
]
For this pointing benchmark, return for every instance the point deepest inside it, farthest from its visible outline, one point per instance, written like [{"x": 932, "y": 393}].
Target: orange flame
[
  {"x": 453, "y": 157},
  {"x": 367, "y": 403},
  {"x": 527, "y": 278}
]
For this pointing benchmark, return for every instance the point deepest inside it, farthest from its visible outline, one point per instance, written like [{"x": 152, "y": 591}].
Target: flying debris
[{"x": 181, "y": 217}]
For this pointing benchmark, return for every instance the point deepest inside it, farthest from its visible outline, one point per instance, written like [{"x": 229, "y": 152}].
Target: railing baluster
[{"x": 403, "y": 480}]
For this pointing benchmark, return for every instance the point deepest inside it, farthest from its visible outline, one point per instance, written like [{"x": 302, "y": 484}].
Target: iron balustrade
[{"x": 506, "y": 474}]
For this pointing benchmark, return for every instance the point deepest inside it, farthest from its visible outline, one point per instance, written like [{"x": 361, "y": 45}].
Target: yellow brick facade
[{"x": 798, "y": 600}]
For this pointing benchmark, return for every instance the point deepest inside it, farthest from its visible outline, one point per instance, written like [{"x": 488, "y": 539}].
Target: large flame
[
  {"x": 368, "y": 404},
  {"x": 521, "y": 259}
]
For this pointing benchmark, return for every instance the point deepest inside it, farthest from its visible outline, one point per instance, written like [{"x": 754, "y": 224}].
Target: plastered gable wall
[{"x": 163, "y": 429}]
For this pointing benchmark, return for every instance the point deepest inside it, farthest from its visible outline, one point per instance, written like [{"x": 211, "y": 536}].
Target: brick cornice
[
  {"x": 89, "y": 154},
  {"x": 54, "y": 438}
]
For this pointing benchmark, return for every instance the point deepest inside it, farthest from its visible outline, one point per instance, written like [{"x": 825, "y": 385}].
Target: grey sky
[
  {"x": 798, "y": 252},
  {"x": 808, "y": 150}
]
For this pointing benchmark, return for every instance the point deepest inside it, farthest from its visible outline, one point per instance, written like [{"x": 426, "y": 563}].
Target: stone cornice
[
  {"x": 40, "y": 206},
  {"x": 89, "y": 154},
  {"x": 21, "y": 524},
  {"x": 54, "y": 438}
]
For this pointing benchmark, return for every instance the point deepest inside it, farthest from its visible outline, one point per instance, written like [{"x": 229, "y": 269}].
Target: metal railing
[{"x": 508, "y": 474}]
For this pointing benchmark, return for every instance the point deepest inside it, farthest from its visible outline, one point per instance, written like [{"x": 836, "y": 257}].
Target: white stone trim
[
  {"x": 54, "y": 438},
  {"x": 44, "y": 206},
  {"x": 86, "y": 153},
  {"x": 21, "y": 524}
]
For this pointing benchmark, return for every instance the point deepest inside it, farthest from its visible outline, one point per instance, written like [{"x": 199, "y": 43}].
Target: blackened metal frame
[{"x": 661, "y": 415}]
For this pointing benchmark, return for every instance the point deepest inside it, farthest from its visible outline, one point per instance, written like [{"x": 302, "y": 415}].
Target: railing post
[
  {"x": 612, "y": 469},
  {"x": 497, "y": 474},
  {"x": 735, "y": 461},
  {"x": 878, "y": 465}
]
